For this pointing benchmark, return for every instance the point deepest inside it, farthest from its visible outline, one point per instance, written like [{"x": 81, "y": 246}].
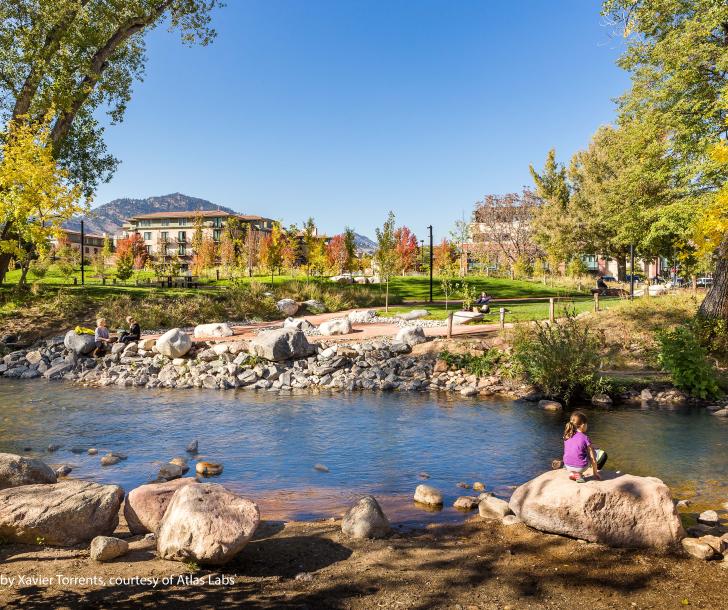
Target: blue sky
[{"x": 346, "y": 109}]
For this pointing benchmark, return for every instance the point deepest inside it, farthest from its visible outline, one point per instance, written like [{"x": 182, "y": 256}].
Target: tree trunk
[
  {"x": 715, "y": 304},
  {"x": 621, "y": 267},
  {"x": 386, "y": 297}
]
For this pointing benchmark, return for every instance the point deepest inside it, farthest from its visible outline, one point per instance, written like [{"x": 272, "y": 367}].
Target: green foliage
[
  {"x": 522, "y": 267},
  {"x": 39, "y": 267},
  {"x": 712, "y": 334},
  {"x": 682, "y": 355},
  {"x": 124, "y": 267},
  {"x": 563, "y": 358},
  {"x": 468, "y": 294},
  {"x": 68, "y": 260},
  {"x": 481, "y": 365},
  {"x": 576, "y": 267}
]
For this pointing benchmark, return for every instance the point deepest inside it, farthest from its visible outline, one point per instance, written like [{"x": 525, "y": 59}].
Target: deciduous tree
[{"x": 385, "y": 256}]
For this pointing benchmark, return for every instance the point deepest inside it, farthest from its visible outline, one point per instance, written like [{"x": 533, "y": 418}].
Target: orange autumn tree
[{"x": 338, "y": 253}]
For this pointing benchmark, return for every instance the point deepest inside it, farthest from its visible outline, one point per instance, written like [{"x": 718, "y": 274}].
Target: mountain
[
  {"x": 364, "y": 245},
  {"x": 109, "y": 217}
]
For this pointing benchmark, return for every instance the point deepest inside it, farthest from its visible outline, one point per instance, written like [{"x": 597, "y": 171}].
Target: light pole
[
  {"x": 83, "y": 258},
  {"x": 429, "y": 228},
  {"x": 631, "y": 272}
]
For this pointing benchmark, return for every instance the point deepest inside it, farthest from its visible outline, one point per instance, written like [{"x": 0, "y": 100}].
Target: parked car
[
  {"x": 609, "y": 278},
  {"x": 705, "y": 282},
  {"x": 637, "y": 278}
]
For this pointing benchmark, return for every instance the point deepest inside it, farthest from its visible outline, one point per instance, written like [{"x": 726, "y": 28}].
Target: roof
[
  {"x": 192, "y": 214},
  {"x": 71, "y": 232}
]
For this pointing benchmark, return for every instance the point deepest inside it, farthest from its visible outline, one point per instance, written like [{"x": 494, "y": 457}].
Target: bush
[
  {"x": 475, "y": 365},
  {"x": 562, "y": 359},
  {"x": 685, "y": 359},
  {"x": 712, "y": 333}
]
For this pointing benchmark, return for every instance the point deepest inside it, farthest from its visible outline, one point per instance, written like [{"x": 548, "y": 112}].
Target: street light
[{"x": 429, "y": 228}]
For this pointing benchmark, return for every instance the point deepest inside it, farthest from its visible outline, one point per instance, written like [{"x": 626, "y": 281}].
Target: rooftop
[{"x": 192, "y": 214}]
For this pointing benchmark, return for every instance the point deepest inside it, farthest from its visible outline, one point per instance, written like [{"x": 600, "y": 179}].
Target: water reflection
[{"x": 371, "y": 443}]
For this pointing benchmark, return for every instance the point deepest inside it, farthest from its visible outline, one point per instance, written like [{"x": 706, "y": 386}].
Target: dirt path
[{"x": 481, "y": 564}]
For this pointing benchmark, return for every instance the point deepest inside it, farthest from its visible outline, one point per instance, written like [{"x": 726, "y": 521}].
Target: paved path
[{"x": 361, "y": 331}]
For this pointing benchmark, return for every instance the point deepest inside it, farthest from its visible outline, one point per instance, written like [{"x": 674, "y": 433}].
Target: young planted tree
[
  {"x": 66, "y": 59},
  {"x": 310, "y": 243},
  {"x": 407, "y": 250},
  {"x": 271, "y": 250},
  {"x": 385, "y": 256},
  {"x": 291, "y": 249},
  {"x": 205, "y": 257},
  {"x": 68, "y": 260}
]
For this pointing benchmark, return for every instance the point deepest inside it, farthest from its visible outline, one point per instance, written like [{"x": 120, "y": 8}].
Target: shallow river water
[{"x": 371, "y": 443}]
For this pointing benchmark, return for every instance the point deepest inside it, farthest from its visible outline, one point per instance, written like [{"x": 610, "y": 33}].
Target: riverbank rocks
[
  {"x": 174, "y": 343},
  {"x": 621, "y": 510},
  {"x": 696, "y": 548},
  {"x": 281, "y": 344},
  {"x": 288, "y": 307},
  {"x": 145, "y": 505},
  {"x": 466, "y": 503},
  {"x": 170, "y": 471},
  {"x": 59, "y": 514},
  {"x": 601, "y": 400},
  {"x": 338, "y": 326},
  {"x": 426, "y": 494},
  {"x": 550, "y": 405},
  {"x": 314, "y": 306},
  {"x": 709, "y": 517},
  {"x": 365, "y": 519},
  {"x": 79, "y": 344},
  {"x": 217, "y": 329},
  {"x": 17, "y": 470},
  {"x": 106, "y": 548},
  {"x": 298, "y": 323},
  {"x": 208, "y": 469},
  {"x": 491, "y": 507},
  {"x": 207, "y": 524},
  {"x": 411, "y": 335}
]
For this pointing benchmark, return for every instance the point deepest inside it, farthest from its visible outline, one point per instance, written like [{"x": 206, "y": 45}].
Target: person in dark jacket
[{"x": 133, "y": 334}]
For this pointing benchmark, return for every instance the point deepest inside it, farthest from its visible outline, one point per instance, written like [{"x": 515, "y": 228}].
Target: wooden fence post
[
  {"x": 596, "y": 301},
  {"x": 552, "y": 313},
  {"x": 449, "y": 325},
  {"x": 502, "y": 317}
]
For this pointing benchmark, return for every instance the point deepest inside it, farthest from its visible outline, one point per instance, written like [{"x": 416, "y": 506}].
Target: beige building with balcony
[{"x": 171, "y": 233}]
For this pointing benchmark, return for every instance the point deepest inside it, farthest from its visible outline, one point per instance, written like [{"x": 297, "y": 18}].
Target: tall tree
[
  {"x": 385, "y": 255},
  {"x": 677, "y": 55},
  {"x": 338, "y": 254},
  {"x": 71, "y": 58},
  {"x": 406, "y": 249}
]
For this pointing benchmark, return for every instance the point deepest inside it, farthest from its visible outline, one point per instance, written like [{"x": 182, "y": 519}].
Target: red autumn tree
[
  {"x": 338, "y": 253},
  {"x": 406, "y": 248}
]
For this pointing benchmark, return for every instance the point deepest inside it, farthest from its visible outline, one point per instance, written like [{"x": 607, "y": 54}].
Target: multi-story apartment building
[
  {"x": 171, "y": 233},
  {"x": 92, "y": 244}
]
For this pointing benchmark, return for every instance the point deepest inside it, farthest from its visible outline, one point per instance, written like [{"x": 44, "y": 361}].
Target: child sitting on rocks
[{"x": 578, "y": 451}]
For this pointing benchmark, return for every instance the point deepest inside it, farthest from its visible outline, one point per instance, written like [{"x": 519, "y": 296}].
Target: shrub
[
  {"x": 685, "y": 359},
  {"x": 712, "y": 333},
  {"x": 481, "y": 365},
  {"x": 562, "y": 358}
]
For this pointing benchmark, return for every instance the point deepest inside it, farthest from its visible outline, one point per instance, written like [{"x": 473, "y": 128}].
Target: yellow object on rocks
[{"x": 80, "y": 330}]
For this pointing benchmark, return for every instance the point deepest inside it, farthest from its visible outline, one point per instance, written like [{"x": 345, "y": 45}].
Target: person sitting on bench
[{"x": 483, "y": 301}]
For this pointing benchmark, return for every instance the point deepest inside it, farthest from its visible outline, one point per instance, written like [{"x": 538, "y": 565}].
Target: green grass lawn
[{"x": 516, "y": 312}]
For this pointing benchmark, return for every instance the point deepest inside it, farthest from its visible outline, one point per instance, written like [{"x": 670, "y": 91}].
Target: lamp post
[
  {"x": 429, "y": 228},
  {"x": 631, "y": 272},
  {"x": 83, "y": 258}
]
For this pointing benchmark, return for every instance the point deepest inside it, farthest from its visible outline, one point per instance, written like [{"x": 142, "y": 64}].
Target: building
[
  {"x": 92, "y": 244},
  {"x": 171, "y": 233}
]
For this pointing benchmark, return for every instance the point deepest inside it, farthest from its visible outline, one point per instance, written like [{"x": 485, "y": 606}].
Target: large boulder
[
  {"x": 281, "y": 344},
  {"x": 288, "y": 307},
  {"x": 16, "y": 470},
  {"x": 314, "y": 306},
  {"x": 465, "y": 317},
  {"x": 364, "y": 316},
  {"x": 207, "y": 524},
  {"x": 426, "y": 494},
  {"x": 174, "y": 343},
  {"x": 338, "y": 326},
  {"x": 621, "y": 510},
  {"x": 145, "y": 505},
  {"x": 342, "y": 279},
  {"x": 491, "y": 507},
  {"x": 298, "y": 323},
  {"x": 106, "y": 548},
  {"x": 415, "y": 314},
  {"x": 79, "y": 343},
  {"x": 411, "y": 335},
  {"x": 365, "y": 519},
  {"x": 217, "y": 329},
  {"x": 59, "y": 514}
]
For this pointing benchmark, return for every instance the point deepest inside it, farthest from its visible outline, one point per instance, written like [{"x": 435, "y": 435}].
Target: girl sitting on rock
[{"x": 578, "y": 451}]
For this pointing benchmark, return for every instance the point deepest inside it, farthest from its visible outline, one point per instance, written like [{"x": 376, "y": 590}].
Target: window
[
  {"x": 217, "y": 222},
  {"x": 216, "y": 233},
  {"x": 182, "y": 236},
  {"x": 147, "y": 236},
  {"x": 182, "y": 250},
  {"x": 182, "y": 222},
  {"x": 87, "y": 250},
  {"x": 145, "y": 223},
  {"x": 165, "y": 235},
  {"x": 164, "y": 222}
]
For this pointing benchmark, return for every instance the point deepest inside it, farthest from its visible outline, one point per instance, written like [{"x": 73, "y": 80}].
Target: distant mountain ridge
[
  {"x": 109, "y": 217},
  {"x": 364, "y": 244}
]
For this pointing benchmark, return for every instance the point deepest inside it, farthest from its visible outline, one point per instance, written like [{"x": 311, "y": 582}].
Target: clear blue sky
[{"x": 344, "y": 110}]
